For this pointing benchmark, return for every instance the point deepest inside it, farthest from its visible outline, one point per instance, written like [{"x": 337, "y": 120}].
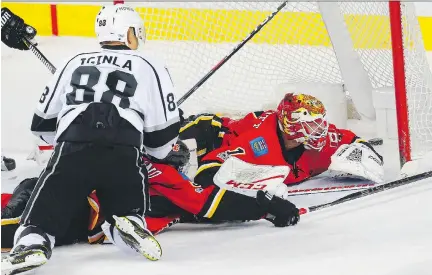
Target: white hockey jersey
[{"x": 139, "y": 86}]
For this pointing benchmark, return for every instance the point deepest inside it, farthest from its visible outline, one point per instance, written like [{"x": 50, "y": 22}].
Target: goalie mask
[{"x": 302, "y": 118}]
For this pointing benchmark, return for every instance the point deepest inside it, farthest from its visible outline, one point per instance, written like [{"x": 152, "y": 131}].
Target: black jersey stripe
[
  {"x": 172, "y": 82},
  {"x": 159, "y": 85},
  {"x": 58, "y": 79}
]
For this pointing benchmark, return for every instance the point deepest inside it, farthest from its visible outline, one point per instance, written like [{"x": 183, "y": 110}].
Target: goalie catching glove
[
  {"x": 359, "y": 160},
  {"x": 14, "y": 30}
]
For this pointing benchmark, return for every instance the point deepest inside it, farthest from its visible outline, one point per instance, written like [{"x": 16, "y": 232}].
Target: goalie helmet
[
  {"x": 113, "y": 23},
  {"x": 302, "y": 118}
]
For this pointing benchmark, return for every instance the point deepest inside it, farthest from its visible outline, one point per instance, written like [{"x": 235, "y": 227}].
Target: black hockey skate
[
  {"x": 24, "y": 258},
  {"x": 7, "y": 164},
  {"x": 138, "y": 238}
]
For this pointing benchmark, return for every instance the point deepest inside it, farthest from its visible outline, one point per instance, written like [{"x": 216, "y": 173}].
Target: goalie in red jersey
[{"x": 296, "y": 135}]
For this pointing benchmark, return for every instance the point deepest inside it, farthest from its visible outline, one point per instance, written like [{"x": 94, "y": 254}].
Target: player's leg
[
  {"x": 124, "y": 200},
  {"x": 59, "y": 191},
  {"x": 12, "y": 211},
  {"x": 15, "y": 205}
]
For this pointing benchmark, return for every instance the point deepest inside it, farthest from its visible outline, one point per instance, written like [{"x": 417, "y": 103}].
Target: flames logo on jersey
[
  {"x": 226, "y": 154},
  {"x": 176, "y": 147}
]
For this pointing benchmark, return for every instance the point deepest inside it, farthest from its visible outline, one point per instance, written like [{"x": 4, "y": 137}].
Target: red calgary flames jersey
[
  {"x": 255, "y": 139},
  {"x": 166, "y": 181}
]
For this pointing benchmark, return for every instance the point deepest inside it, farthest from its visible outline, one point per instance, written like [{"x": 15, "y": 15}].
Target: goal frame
[{"x": 401, "y": 99}]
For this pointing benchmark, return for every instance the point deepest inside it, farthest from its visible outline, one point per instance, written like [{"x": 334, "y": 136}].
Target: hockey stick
[
  {"x": 226, "y": 58},
  {"x": 39, "y": 55},
  {"x": 329, "y": 189},
  {"x": 367, "y": 192}
]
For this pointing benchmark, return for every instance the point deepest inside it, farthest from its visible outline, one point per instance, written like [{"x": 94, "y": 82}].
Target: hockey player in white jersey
[{"x": 99, "y": 109}]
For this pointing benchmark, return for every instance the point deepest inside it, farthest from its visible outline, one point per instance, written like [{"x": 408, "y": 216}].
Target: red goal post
[{"x": 399, "y": 81}]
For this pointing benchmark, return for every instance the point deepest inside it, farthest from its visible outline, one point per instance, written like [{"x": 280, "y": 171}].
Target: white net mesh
[{"x": 294, "y": 46}]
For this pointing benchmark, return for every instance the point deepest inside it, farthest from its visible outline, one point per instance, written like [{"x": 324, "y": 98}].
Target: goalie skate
[
  {"x": 138, "y": 238},
  {"x": 24, "y": 259}
]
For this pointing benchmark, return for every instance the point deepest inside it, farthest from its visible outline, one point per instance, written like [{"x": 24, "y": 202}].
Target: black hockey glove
[
  {"x": 13, "y": 30},
  {"x": 280, "y": 212},
  {"x": 20, "y": 197}
]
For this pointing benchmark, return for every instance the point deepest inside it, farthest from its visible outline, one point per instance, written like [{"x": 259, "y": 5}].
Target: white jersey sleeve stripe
[{"x": 44, "y": 115}]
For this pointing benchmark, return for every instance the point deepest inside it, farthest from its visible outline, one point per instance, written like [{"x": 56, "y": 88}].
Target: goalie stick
[{"x": 369, "y": 191}]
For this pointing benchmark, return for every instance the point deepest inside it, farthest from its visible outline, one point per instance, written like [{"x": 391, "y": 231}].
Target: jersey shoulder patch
[{"x": 259, "y": 146}]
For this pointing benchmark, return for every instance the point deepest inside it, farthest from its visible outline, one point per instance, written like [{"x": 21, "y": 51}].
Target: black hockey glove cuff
[
  {"x": 280, "y": 212},
  {"x": 13, "y": 30}
]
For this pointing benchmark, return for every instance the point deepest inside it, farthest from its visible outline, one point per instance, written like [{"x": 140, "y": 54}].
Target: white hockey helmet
[{"x": 113, "y": 22}]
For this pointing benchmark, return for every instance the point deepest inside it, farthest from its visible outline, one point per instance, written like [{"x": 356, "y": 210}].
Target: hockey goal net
[{"x": 303, "y": 43}]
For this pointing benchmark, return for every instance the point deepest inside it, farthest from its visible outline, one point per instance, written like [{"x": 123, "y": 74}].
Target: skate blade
[
  {"x": 30, "y": 262},
  {"x": 149, "y": 247}
]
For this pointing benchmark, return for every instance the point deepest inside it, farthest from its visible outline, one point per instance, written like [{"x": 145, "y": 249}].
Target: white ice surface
[
  {"x": 383, "y": 234},
  {"x": 387, "y": 233}
]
